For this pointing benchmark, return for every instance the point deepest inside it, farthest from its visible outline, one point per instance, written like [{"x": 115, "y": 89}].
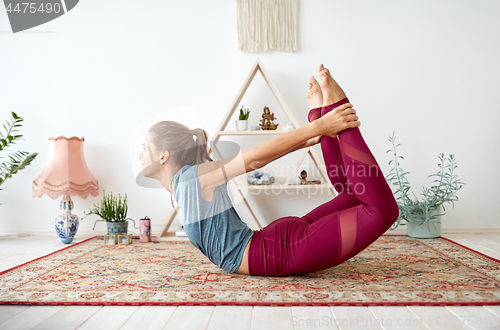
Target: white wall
[{"x": 427, "y": 69}]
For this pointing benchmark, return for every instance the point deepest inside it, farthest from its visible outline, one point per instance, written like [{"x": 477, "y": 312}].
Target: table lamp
[{"x": 66, "y": 174}]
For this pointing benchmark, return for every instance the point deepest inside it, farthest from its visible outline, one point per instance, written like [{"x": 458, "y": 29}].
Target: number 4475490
[{"x": 32, "y": 8}]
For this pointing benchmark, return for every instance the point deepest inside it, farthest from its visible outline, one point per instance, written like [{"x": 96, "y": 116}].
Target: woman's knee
[{"x": 386, "y": 210}]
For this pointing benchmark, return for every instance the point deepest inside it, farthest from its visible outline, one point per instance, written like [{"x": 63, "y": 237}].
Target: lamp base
[
  {"x": 66, "y": 224},
  {"x": 66, "y": 240}
]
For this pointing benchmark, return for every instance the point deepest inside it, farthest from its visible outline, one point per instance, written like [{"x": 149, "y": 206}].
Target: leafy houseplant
[
  {"x": 420, "y": 213},
  {"x": 20, "y": 159},
  {"x": 242, "y": 123},
  {"x": 113, "y": 210}
]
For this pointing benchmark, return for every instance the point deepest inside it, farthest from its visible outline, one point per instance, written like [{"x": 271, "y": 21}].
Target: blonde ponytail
[{"x": 186, "y": 147}]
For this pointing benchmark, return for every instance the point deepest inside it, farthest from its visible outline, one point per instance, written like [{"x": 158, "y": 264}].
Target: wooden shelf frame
[{"x": 258, "y": 67}]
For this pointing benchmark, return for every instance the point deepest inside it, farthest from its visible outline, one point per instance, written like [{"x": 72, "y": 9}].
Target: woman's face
[{"x": 150, "y": 158}]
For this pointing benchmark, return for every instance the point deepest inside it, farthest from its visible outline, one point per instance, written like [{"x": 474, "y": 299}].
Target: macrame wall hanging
[{"x": 267, "y": 25}]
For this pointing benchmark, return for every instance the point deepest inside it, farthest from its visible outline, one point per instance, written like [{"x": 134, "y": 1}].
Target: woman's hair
[{"x": 180, "y": 141}]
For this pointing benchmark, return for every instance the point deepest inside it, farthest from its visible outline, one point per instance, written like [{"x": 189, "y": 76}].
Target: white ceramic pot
[
  {"x": 117, "y": 227},
  {"x": 425, "y": 230},
  {"x": 241, "y": 125}
]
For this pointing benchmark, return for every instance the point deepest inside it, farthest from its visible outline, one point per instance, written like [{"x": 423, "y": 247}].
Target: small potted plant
[
  {"x": 424, "y": 216},
  {"x": 242, "y": 123},
  {"x": 113, "y": 210}
]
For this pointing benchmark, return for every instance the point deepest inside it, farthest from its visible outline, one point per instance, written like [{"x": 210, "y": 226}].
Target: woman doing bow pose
[{"x": 325, "y": 237}]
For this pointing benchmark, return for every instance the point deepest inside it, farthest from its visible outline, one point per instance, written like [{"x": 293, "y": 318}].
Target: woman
[{"x": 325, "y": 237}]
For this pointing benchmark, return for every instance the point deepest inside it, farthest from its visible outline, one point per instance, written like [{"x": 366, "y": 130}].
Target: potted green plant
[
  {"x": 242, "y": 123},
  {"x": 424, "y": 216},
  {"x": 19, "y": 159},
  {"x": 113, "y": 210}
]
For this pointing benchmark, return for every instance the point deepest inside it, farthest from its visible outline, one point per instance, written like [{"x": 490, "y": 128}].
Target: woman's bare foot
[
  {"x": 332, "y": 92},
  {"x": 315, "y": 98}
]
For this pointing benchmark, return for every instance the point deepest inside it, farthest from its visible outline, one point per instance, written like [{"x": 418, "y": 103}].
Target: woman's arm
[
  {"x": 250, "y": 160},
  {"x": 280, "y": 145},
  {"x": 226, "y": 169}
]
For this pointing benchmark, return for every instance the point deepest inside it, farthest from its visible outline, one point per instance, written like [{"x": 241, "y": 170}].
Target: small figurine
[
  {"x": 267, "y": 120},
  {"x": 303, "y": 176}
]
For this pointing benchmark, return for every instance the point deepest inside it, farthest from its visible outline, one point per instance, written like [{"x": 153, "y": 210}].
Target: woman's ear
[{"x": 164, "y": 157}]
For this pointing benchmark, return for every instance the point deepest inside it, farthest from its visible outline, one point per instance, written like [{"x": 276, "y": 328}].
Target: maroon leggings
[{"x": 338, "y": 229}]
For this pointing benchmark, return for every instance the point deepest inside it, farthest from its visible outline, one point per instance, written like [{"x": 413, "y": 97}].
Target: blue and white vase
[{"x": 67, "y": 223}]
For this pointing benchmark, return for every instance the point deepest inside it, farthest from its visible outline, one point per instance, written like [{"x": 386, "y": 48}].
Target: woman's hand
[{"x": 338, "y": 119}]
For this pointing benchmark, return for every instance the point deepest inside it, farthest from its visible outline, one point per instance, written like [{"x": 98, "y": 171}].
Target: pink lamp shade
[{"x": 66, "y": 172}]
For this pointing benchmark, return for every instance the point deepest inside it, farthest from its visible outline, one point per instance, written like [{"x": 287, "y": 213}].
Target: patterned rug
[{"x": 394, "y": 270}]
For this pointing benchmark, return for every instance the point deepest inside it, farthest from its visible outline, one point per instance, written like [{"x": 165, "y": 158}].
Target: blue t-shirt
[{"x": 213, "y": 227}]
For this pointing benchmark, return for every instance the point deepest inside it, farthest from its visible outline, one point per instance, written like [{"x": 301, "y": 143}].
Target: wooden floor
[{"x": 17, "y": 250}]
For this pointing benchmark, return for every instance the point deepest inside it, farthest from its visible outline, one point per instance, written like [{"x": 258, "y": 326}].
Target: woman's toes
[
  {"x": 313, "y": 82},
  {"x": 322, "y": 70},
  {"x": 324, "y": 76}
]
